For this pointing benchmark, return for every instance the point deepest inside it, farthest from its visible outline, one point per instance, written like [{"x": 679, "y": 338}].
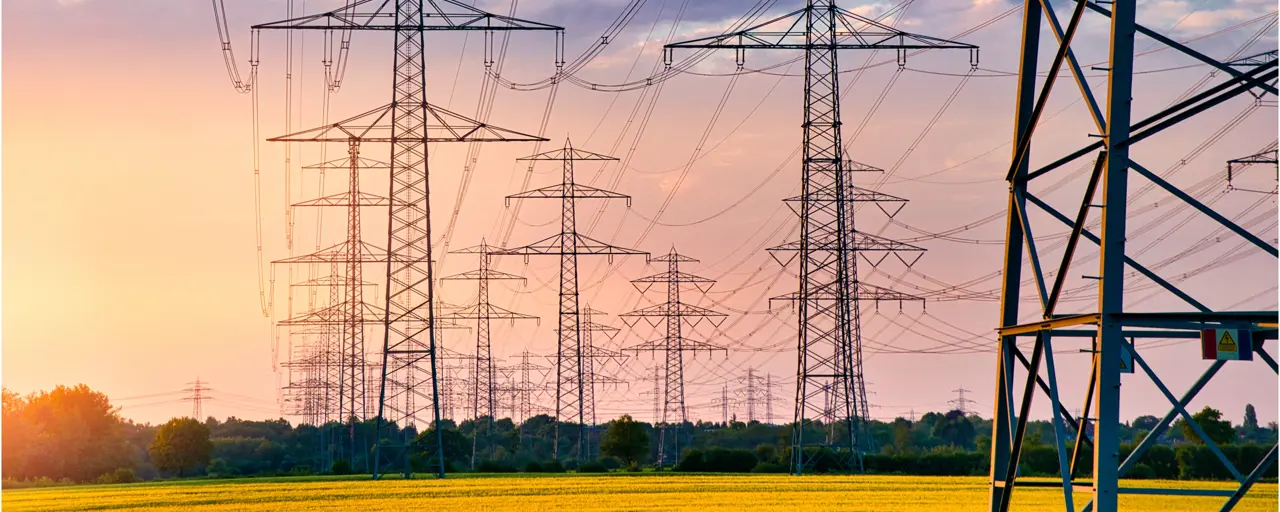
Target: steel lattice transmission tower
[
  {"x": 484, "y": 403},
  {"x": 568, "y": 244},
  {"x": 594, "y": 358},
  {"x": 673, "y": 314},
  {"x": 342, "y": 355},
  {"x": 411, "y": 124},
  {"x": 829, "y": 344},
  {"x": 199, "y": 393},
  {"x": 752, "y": 393},
  {"x": 1114, "y": 330},
  {"x": 524, "y": 389}
]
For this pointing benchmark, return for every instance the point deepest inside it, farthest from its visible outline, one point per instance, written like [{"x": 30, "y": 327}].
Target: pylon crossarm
[
  {"x": 672, "y": 277},
  {"x": 383, "y": 17},
  {"x": 1225, "y": 222},
  {"x": 1265, "y": 157},
  {"x": 572, "y": 191},
  {"x": 554, "y": 245},
  {"x": 1253, "y": 60},
  {"x": 335, "y": 315},
  {"x": 684, "y": 344},
  {"x": 862, "y": 242},
  {"x": 1186, "y": 50},
  {"x": 344, "y": 199},
  {"x": 788, "y": 31},
  {"x": 345, "y": 164},
  {"x": 669, "y": 309},
  {"x": 489, "y": 275},
  {"x": 477, "y": 311},
  {"x": 569, "y": 154},
  {"x": 377, "y": 125},
  {"x": 863, "y": 291}
]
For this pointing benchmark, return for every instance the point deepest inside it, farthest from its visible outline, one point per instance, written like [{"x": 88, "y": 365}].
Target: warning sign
[
  {"x": 1126, "y": 360},
  {"x": 1226, "y": 344}
]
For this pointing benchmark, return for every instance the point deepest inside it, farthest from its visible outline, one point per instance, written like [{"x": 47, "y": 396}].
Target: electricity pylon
[
  {"x": 595, "y": 357},
  {"x": 524, "y": 389},
  {"x": 412, "y": 123},
  {"x": 484, "y": 383},
  {"x": 568, "y": 244},
  {"x": 752, "y": 392},
  {"x": 199, "y": 393},
  {"x": 674, "y": 313},
  {"x": 1114, "y": 330},
  {"x": 344, "y": 353},
  {"x": 829, "y": 342}
]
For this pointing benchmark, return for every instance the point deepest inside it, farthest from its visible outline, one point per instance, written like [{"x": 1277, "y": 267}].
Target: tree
[
  {"x": 625, "y": 439},
  {"x": 1146, "y": 422},
  {"x": 954, "y": 429},
  {"x": 181, "y": 444},
  {"x": 1209, "y": 419},
  {"x": 901, "y": 435},
  {"x": 69, "y": 432}
]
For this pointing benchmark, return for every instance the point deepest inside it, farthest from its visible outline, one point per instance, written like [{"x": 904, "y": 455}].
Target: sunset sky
[{"x": 129, "y": 258}]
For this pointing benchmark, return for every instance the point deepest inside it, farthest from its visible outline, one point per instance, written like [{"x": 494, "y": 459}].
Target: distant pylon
[
  {"x": 768, "y": 399},
  {"x": 674, "y": 313},
  {"x": 656, "y": 393},
  {"x": 198, "y": 395},
  {"x": 568, "y": 244},
  {"x": 483, "y": 388},
  {"x": 593, "y": 358},
  {"x": 524, "y": 389},
  {"x": 960, "y": 402},
  {"x": 752, "y": 393},
  {"x": 723, "y": 402}
]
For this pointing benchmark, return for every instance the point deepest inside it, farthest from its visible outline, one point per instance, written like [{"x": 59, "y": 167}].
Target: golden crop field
[{"x": 712, "y": 493}]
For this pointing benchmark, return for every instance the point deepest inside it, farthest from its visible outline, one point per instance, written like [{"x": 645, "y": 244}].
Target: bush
[
  {"x": 719, "y": 460},
  {"x": 1141, "y": 472},
  {"x": 493, "y": 466},
  {"x": 570, "y": 465},
  {"x": 767, "y": 453},
  {"x": 634, "y": 468},
  {"x": 533, "y": 467},
  {"x": 119, "y": 476},
  {"x": 340, "y": 467},
  {"x": 552, "y": 466},
  {"x": 592, "y": 466},
  {"x": 611, "y": 463},
  {"x": 769, "y": 467},
  {"x": 693, "y": 460}
]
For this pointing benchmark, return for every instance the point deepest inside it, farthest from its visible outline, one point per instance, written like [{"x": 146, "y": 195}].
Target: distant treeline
[{"x": 73, "y": 435}]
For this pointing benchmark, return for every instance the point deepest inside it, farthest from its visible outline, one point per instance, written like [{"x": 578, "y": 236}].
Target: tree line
[{"x": 74, "y": 435}]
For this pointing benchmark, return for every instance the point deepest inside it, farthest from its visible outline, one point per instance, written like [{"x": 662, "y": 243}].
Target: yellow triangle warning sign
[
  {"x": 1123, "y": 366},
  {"x": 1227, "y": 343}
]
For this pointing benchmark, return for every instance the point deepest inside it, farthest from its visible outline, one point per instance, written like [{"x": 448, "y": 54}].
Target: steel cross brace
[
  {"x": 1170, "y": 116},
  {"x": 1186, "y": 50},
  {"x": 1136, "y": 266}
]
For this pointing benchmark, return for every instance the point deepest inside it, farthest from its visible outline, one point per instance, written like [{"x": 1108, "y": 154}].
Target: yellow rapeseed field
[{"x": 711, "y": 493}]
